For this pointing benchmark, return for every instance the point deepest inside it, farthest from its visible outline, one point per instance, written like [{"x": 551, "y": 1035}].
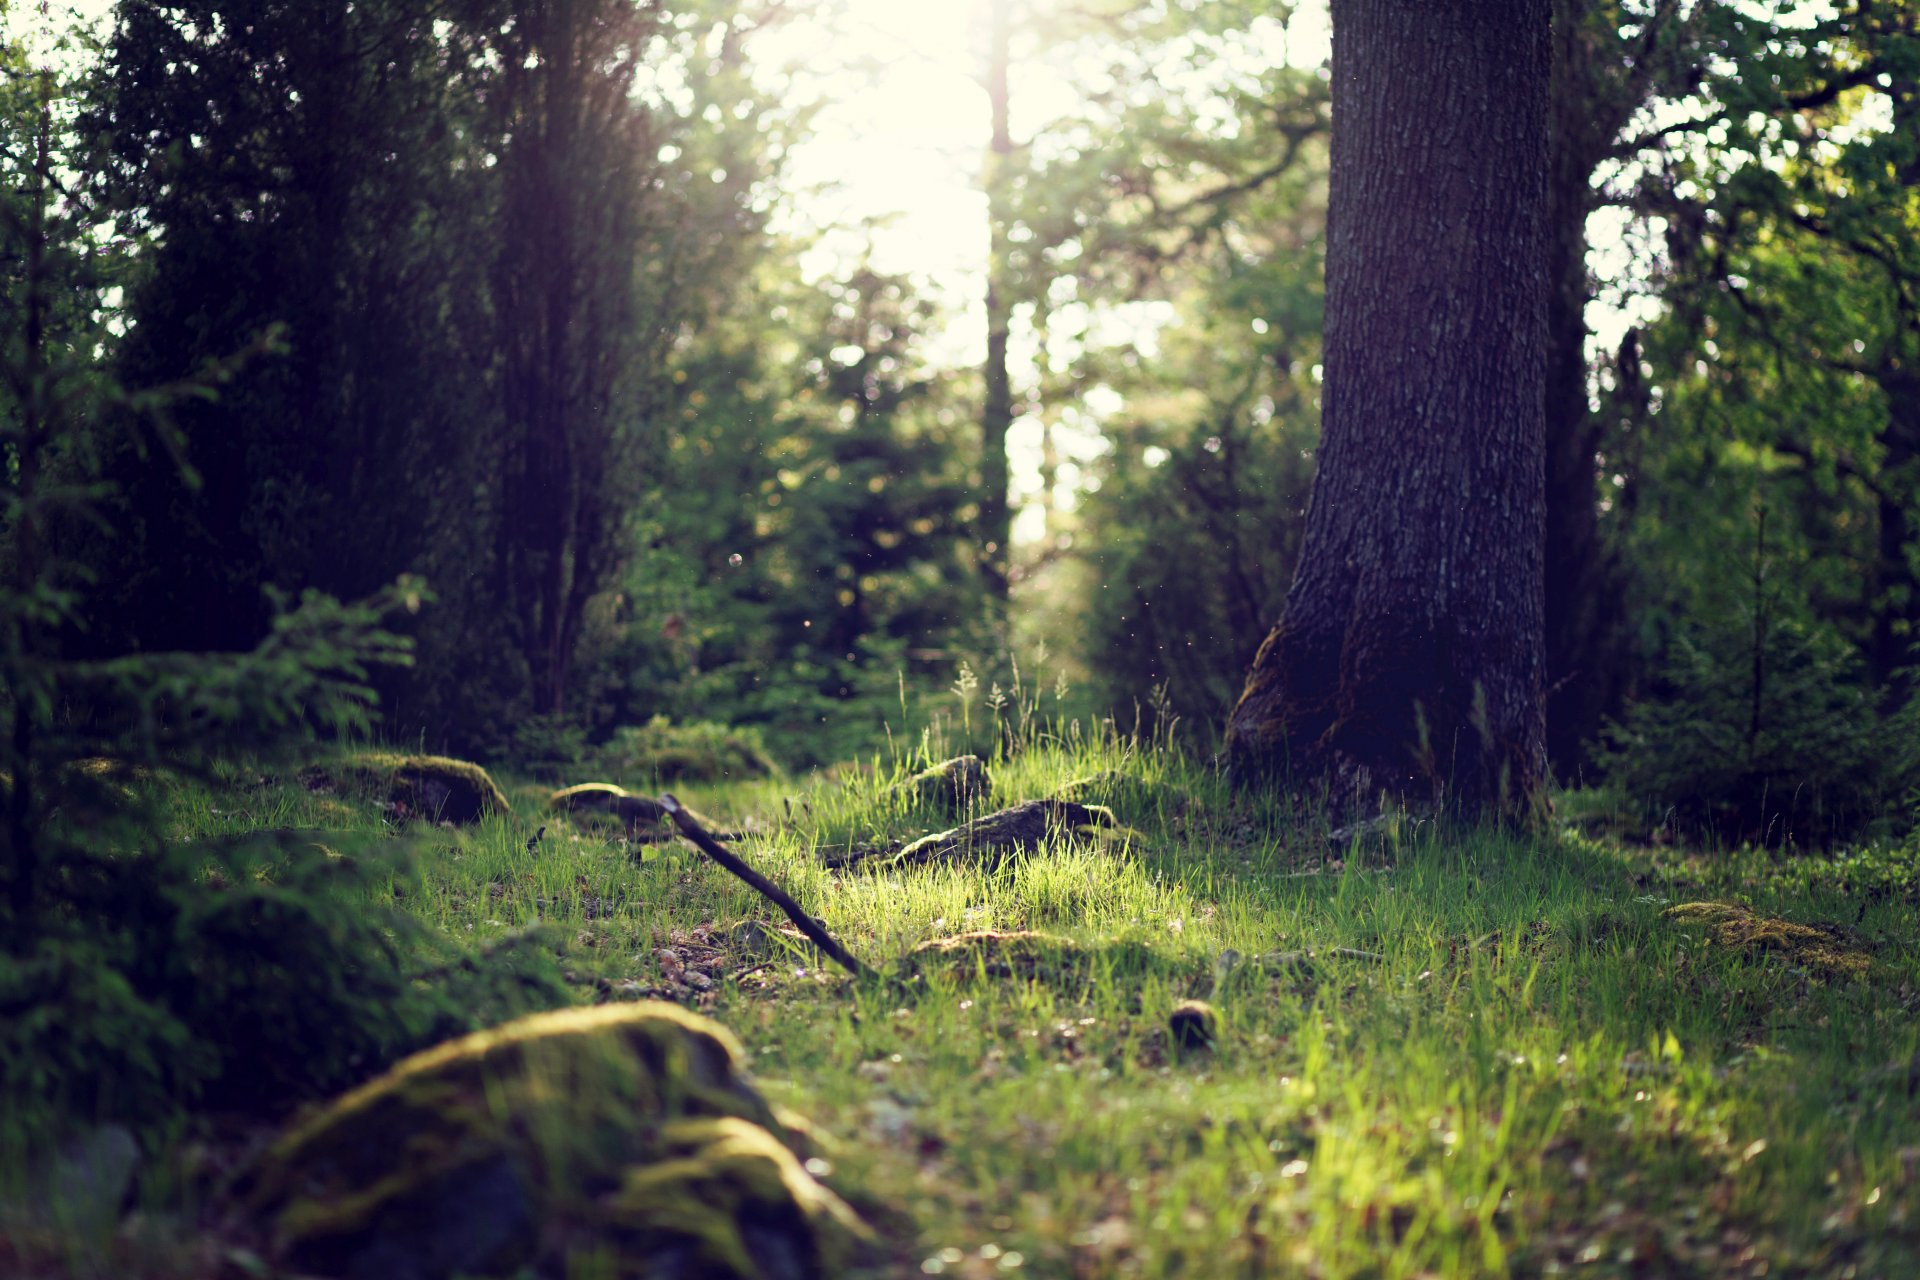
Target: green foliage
[
  {"x": 1806, "y": 758},
  {"x": 698, "y": 752},
  {"x": 802, "y": 600},
  {"x": 145, "y": 978}
]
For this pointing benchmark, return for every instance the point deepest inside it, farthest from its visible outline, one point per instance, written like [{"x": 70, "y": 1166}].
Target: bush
[
  {"x": 698, "y": 752},
  {"x": 138, "y": 977},
  {"x": 1791, "y": 750}
]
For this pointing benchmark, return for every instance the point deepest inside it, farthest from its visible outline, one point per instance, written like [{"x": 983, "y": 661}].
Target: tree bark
[
  {"x": 1409, "y": 657},
  {"x": 996, "y": 412}
]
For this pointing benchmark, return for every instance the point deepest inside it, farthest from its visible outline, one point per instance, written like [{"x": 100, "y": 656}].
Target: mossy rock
[
  {"x": 436, "y": 788},
  {"x": 724, "y": 1198},
  {"x": 1032, "y": 956},
  {"x": 994, "y": 837},
  {"x": 952, "y": 786},
  {"x": 626, "y": 1131},
  {"x": 1826, "y": 948},
  {"x": 1132, "y": 799},
  {"x": 1193, "y": 1025},
  {"x": 635, "y": 813}
]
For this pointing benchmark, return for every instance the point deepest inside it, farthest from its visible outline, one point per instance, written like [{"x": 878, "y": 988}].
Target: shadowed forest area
[{"x": 741, "y": 638}]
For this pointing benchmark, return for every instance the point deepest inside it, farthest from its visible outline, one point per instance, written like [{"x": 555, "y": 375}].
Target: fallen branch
[{"x": 698, "y": 837}]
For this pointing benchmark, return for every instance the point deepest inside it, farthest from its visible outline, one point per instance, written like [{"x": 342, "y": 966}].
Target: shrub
[
  {"x": 1790, "y": 749},
  {"x": 699, "y": 752}
]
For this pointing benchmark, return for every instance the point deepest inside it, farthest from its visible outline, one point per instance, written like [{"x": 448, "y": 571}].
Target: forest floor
[{"x": 1437, "y": 1054}]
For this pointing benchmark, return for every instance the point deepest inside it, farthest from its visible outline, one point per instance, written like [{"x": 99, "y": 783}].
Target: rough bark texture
[
  {"x": 1409, "y": 656},
  {"x": 996, "y": 412}
]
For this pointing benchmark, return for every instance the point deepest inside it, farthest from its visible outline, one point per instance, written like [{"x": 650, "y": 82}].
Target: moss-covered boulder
[
  {"x": 952, "y": 787},
  {"x": 639, "y": 815},
  {"x": 626, "y": 1131},
  {"x": 1826, "y": 949},
  {"x": 437, "y": 788}
]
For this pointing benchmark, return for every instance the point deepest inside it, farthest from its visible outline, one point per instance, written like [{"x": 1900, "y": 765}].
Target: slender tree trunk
[
  {"x": 996, "y": 413},
  {"x": 1592, "y": 100},
  {"x": 1896, "y": 595},
  {"x": 1408, "y": 659}
]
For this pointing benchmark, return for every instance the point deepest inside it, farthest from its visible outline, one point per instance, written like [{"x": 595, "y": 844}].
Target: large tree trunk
[{"x": 1408, "y": 659}]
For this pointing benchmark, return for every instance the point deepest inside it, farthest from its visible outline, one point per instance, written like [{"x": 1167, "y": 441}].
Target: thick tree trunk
[{"x": 1409, "y": 656}]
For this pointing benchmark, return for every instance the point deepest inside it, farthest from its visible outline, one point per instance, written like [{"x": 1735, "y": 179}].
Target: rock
[
  {"x": 953, "y": 786},
  {"x": 1193, "y": 1025},
  {"x": 993, "y": 838},
  {"x": 625, "y": 1130},
  {"x": 1133, "y": 799},
  {"x": 638, "y": 814},
  {"x": 436, "y": 788},
  {"x": 87, "y": 1183}
]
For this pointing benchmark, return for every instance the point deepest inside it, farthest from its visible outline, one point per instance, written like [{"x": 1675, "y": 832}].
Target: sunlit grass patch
[{"x": 1435, "y": 1051}]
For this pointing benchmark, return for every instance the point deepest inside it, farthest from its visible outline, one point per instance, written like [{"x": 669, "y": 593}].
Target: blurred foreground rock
[{"x": 627, "y": 1134}]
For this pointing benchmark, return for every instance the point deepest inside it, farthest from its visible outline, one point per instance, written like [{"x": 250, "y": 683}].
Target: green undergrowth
[{"x": 1443, "y": 1053}]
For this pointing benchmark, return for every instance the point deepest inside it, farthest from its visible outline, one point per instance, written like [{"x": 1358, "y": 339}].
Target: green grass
[{"x": 1537, "y": 1073}]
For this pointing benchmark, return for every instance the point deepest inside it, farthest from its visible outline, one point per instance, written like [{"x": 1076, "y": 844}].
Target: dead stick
[{"x": 766, "y": 888}]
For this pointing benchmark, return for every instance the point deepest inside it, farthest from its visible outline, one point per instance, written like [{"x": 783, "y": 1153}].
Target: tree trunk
[
  {"x": 1409, "y": 657},
  {"x": 996, "y": 413}
]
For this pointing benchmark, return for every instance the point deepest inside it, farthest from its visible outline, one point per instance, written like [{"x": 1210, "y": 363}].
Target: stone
[
  {"x": 624, "y": 1130},
  {"x": 952, "y": 787},
  {"x": 437, "y": 788},
  {"x": 1193, "y": 1025},
  {"x": 638, "y": 814},
  {"x": 994, "y": 837}
]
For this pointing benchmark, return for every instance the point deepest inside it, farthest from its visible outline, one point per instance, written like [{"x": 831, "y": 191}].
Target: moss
[
  {"x": 726, "y": 1200},
  {"x": 1825, "y": 948},
  {"x": 588, "y": 799},
  {"x": 433, "y": 787},
  {"x": 484, "y": 1154},
  {"x": 952, "y": 786}
]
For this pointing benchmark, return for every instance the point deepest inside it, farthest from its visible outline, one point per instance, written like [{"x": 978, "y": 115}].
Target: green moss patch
[
  {"x": 554, "y": 1136},
  {"x": 1824, "y": 948}
]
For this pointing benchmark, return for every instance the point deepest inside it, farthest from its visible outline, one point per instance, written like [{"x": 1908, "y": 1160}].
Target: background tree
[{"x": 1408, "y": 658}]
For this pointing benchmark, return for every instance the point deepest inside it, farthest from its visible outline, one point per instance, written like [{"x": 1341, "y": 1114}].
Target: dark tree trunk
[
  {"x": 1409, "y": 656},
  {"x": 996, "y": 413}
]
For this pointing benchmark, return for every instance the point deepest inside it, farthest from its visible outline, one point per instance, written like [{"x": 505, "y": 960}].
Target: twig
[{"x": 698, "y": 837}]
